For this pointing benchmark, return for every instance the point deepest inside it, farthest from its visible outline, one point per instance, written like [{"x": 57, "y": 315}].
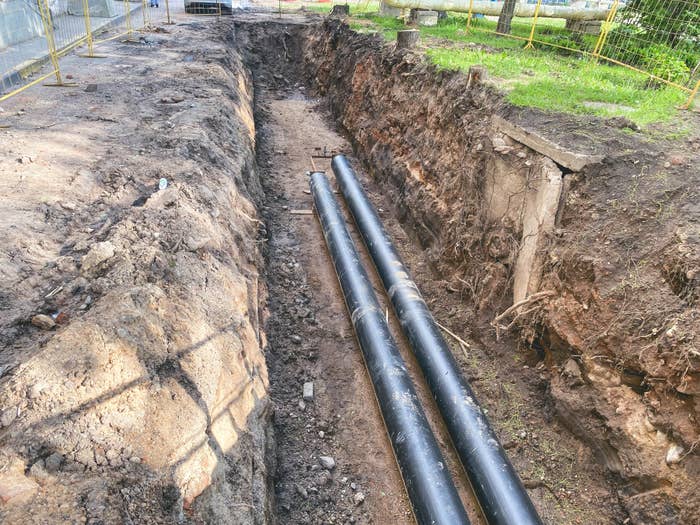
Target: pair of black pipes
[{"x": 501, "y": 495}]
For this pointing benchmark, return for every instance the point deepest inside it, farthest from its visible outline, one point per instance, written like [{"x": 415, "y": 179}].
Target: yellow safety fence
[
  {"x": 656, "y": 38},
  {"x": 43, "y": 34}
]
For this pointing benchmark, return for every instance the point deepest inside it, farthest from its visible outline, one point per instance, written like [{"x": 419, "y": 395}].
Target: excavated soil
[
  {"x": 142, "y": 394},
  {"x": 133, "y": 386}
]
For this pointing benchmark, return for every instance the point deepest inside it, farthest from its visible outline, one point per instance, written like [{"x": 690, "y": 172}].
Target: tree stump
[
  {"x": 407, "y": 39},
  {"x": 340, "y": 11}
]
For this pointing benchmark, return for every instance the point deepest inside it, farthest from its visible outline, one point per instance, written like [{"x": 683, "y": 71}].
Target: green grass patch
[{"x": 545, "y": 78}]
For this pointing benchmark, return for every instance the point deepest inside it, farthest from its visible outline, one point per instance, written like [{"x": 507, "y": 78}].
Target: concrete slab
[{"x": 563, "y": 156}]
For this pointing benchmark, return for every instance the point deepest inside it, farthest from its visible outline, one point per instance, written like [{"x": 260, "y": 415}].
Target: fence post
[
  {"x": 144, "y": 9},
  {"x": 88, "y": 32},
  {"x": 605, "y": 29},
  {"x": 167, "y": 12},
  {"x": 470, "y": 14},
  {"x": 692, "y": 96},
  {"x": 534, "y": 25},
  {"x": 51, "y": 42}
]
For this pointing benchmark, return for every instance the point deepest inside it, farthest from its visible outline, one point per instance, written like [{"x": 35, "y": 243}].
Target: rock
[
  {"x": 321, "y": 434},
  {"x": 572, "y": 373},
  {"x": 53, "y": 462},
  {"x": 302, "y": 491},
  {"x": 45, "y": 322},
  {"x": 99, "y": 253},
  {"x": 426, "y": 18},
  {"x": 358, "y": 498},
  {"x": 326, "y": 478},
  {"x": 622, "y": 123},
  {"x": 35, "y": 390},
  {"x": 353, "y": 485},
  {"x": 308, "y": 391},
  {"x": 15, "y": 487},
  {"x": 135, "y": 459},
  {"x": 327, "y": 462},
  {"x": 196, "y": 242},
  {"x": 296, "y": 339},
  {"x": 500, "y": 145},
  {"x": 674, "y": 454},
  {"x": 65, "y": 264},
  {"x": 302, "y": 405},
  {"x": 91, "y": 88},
  {"x": 38, "y": 470},
  {"x": 85, "y": 457},
  {"x": 8, "y": 416}
]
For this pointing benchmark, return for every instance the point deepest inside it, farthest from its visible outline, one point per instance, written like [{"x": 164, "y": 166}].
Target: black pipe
[
  {"x": 500, "y": 493},
  {"x": 430, "y": 488}
]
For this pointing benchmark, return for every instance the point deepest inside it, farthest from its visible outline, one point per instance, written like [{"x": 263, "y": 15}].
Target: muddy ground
[{"x": 164, "y": 382}]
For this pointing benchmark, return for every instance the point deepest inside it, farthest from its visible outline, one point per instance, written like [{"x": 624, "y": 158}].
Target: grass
[{"x": 546, "y": 77}]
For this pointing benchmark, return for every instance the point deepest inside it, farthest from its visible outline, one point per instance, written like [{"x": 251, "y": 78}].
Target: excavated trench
[
  {"x": 559, "y": 254},
  {"x": 486, "y": 212}
]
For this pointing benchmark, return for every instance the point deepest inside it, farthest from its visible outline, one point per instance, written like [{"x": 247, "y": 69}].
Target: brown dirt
[
  {"x": 310, "y": 335},
  {"x": 164, "y": 316},
  {"x": 560, "y": 471},
  {"x": 618, "y": 342},
  {"x": 147, "y": 402}
]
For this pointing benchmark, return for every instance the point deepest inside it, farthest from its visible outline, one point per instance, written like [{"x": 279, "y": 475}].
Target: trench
[{"x": 310, "y": 338}]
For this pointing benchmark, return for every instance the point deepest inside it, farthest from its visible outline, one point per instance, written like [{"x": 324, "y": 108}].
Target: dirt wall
[
  {"x": 618, "y": 323},
  {"x": 133, "y": 385}
]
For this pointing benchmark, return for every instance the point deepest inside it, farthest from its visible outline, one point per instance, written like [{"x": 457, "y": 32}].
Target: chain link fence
[
  {"x": 34, "y": 33},
  {"x": 659, "y": 39}
]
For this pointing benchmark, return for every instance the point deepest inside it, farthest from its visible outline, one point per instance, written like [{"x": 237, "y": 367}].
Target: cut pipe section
[
  {"x": 430, "y": 488},
  {"x": 500, "y": 493}
]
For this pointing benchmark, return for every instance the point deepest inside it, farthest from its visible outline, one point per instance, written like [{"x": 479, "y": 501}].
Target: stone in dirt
[
  {"x": 358, "y": 498},
  {"x": 308, "y": 391},
  {"x": 8, "y": 416},
  {"x": 327, "y": 462},
  {"x": 45, "y": 322},
  {"x": 674, "y": 454},
  {"x": 53, "y": 462},
  {"x": 302, "y": 491},
  {"x": 99, "y": 253},
  {"x": 16, "y": 487}
]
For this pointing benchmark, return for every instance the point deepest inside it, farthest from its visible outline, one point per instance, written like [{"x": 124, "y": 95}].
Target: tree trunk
[{"x": 506, "y": 16}]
